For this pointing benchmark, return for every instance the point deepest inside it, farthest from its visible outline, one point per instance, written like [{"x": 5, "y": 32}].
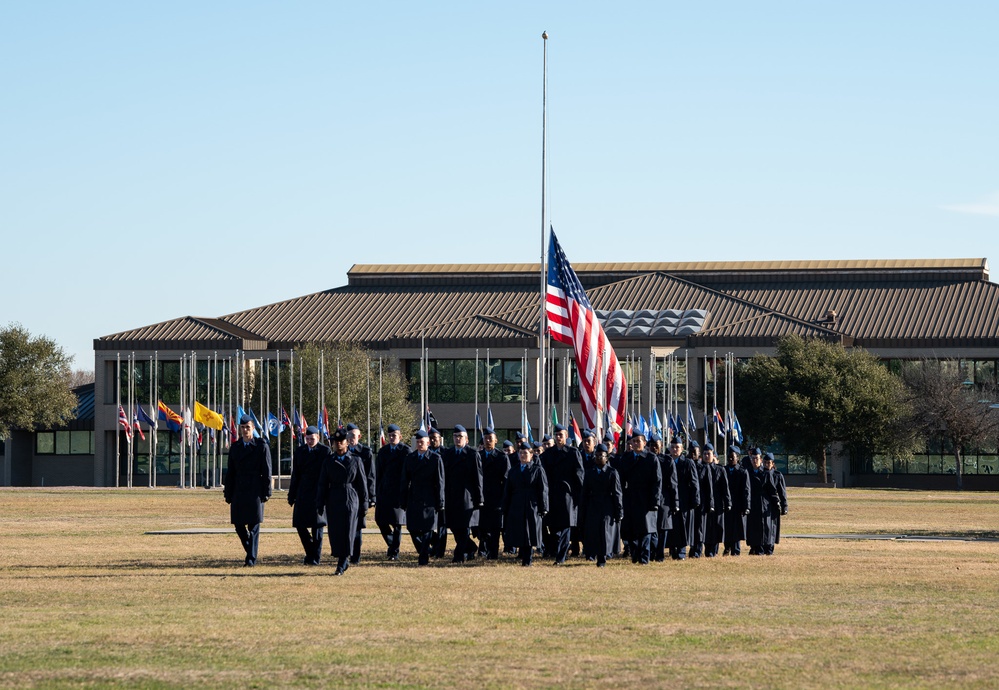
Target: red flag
[{"x": 575, "y": 430}]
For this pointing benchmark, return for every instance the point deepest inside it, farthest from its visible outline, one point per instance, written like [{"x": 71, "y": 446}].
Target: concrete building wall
[{"x": 62, "y": 470}]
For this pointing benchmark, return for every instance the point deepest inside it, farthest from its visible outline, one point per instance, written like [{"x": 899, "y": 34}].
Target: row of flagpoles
[
  {"x": 209, "y": 409},
  {"x": 666, "y": 409}
]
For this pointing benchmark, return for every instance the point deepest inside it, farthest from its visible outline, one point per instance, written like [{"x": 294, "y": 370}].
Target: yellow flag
[{"x": 210, "y": 419}]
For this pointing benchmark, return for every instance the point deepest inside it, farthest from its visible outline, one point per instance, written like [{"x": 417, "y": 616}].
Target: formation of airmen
[{"x": 549, "y": 499}]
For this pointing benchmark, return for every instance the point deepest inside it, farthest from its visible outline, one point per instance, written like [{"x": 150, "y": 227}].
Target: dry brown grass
[{"x": 90, "y": 600}]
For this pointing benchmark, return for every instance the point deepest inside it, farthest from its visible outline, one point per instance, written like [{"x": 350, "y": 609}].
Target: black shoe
[
  {"x": 355, "y": 561},
  {"x": 602, "y": 564}
]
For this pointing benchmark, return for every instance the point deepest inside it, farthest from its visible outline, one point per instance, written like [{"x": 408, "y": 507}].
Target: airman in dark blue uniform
[{"x": 247, "y": 486}]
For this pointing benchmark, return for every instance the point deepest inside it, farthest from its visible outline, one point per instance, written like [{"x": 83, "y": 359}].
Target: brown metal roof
[
  {"x": 897, "y": 303},
  {"x": 374, "y": 316},
  {"x": 187, "y": 332},
  {"x": 893, "y": 314}
]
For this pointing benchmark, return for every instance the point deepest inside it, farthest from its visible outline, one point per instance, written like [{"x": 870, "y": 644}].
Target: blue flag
[
  {"x": 143, "y": 417},
  {"x": 657, "y": 425},
  {"x": 736, "y": 427},
  {"x": 256, "y": 423}
]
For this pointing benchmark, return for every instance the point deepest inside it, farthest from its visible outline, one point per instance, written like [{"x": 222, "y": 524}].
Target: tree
[
  {"x": 81, "y": 377},
  {"x": 946, "y": 406},
  {"x": 34, "y": 382},
  {"x": 812, "y": 394},
  {"x": 358, "y": 374}
]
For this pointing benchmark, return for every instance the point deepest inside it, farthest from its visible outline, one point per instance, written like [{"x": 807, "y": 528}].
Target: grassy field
[{"x": 88, "y": 599}]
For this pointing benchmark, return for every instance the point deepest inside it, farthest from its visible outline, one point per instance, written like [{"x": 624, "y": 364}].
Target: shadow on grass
[{"x": 233, "y": 567}]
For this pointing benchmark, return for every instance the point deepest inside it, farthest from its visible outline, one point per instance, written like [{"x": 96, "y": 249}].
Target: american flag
[
  {"x": 571, "y": 320},
  {"x": 123, "y": 423}
]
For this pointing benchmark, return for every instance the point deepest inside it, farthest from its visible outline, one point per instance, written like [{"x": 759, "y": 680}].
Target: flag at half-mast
[
  {"x": 207, "y": 416},
  {"x": 141, "y": 415},
  {"x": 174, "y": 421},
  {"x": 138, "y": 429},
  {"x": 571, "y": 320},
  {"x": 123, "y": 423}
]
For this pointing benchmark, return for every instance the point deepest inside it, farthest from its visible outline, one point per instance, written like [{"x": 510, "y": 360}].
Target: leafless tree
[
  {"x": 946, "y": 405},
  {"x": 80, "y": 377}
]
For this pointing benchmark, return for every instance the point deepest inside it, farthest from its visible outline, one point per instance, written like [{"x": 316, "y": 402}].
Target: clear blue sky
[{"x": 165, "y": 159}]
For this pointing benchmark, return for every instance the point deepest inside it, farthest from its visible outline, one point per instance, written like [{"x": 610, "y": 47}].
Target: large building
[{"x": 897, "y": 309}]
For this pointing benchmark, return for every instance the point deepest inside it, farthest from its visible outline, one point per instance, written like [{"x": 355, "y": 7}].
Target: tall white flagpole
[
  {"x": 478, "y": 420},
  {"x": 279, "y": 419},
  {"x": 154, "y": 399},
  {"x": 543, "y": 322}
]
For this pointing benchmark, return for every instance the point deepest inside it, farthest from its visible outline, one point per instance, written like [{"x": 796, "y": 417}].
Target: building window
[
  {"x": 45, "y": 443},
  {"x": 64, "y": 443},
  {"x": 454, "y": 381}
]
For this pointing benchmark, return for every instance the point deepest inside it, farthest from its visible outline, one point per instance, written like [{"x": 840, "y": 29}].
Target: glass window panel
[
  {"x": 988, "y": 464},
  {"x": 442, "y": 394},
  {"x": 45, "y": 442},
  {"x": 494, "y": 370},
  {"x": 970, "y": 464},
  {"x": 985, "y": 372},
  {"x": 464, "y": 393},
  {"x": 881, "y": 464},
  {"x": 464, "y": 372},
  {"x": 168, "y": 382},
  {"x": 512, "y": 371},
  {"x": 966, "y": 368},
  {"x": 799, "y": 464},
  {"x": 79, "y": 442},
  {"x": 444, "y": 370},
  {"x": 62, "y": 443}
]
